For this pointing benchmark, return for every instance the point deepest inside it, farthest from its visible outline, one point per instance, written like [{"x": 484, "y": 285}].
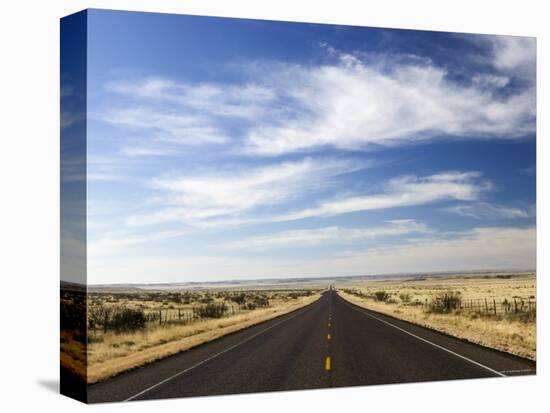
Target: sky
[{"x": 222, "y": 149}]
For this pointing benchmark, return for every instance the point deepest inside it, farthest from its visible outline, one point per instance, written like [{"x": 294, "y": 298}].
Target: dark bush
[
  {"x": 381, "y": 296},
  {"x": 447, "y": 302},
  {"x": 405, "y": 297},
  {"x": 127, "y": 319},
  {"x": 261, "y": 301},
  {"x": 211, "y": 310},
  {"x": 238, "y": 298}
]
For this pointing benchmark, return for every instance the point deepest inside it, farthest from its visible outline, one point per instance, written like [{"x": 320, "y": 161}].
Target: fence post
[
  {"x": 486, "y": 307},
  {"x": 515, "y": 306},
  {"x": 495, "y": 306}
]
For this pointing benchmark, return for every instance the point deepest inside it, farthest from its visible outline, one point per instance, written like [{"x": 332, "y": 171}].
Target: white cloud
[
  {"x": 187, "y": 114},
  {"x": 483, "y": 210},
  {"x": 138, "y": 151},
  {"x": 69, "y": 118},
  {"x": 195, "y": 198},
  {"x": 355, "y": 102},
  {"x": 101, "y": 169},
  {"x": 404, "y": 191},
  {"x": 72, "y": 252},
  {"x": 80, "y": 169},
  {"x": 516, "y": 55},
  {"x": 478, "y": 249},
  {"x": 167, "y": 125},
  {"x": 73, "y": 168},
  {"x": 485, "y": 80},
  {"x": 238, "y": 101},
  {"x": 112, "y": 244},
  {"x": 232, "y": 199},
  {"x": 327, "y": 235}
]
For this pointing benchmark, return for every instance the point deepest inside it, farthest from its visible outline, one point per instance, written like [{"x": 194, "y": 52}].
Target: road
[{"x": 330, "y": 343}]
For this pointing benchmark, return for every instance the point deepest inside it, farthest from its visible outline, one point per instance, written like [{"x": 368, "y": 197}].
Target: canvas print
[{"x": 257, "y": 206}]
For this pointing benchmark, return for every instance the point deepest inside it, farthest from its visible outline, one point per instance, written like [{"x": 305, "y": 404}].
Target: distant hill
[{"x": 279, "y": 282}]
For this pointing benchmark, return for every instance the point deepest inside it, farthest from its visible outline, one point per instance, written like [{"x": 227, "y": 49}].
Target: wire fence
[
  {"x": 494, "y": 306},
  {"x": 449, "y": 302}
]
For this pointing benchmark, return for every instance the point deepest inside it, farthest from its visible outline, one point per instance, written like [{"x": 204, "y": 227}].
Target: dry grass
[
  {"x": 505, "y": 333},
  {"x": 73, "y": 354},
  {"x": 111, "y": 354}
]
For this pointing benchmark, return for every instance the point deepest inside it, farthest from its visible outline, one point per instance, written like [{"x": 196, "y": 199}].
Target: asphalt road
[{"x": 330, "y": 343}]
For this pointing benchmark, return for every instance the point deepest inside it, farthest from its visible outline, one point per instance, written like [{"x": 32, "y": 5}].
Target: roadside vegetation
[
  {"x": 73, "y": 331},
  {"x": 130, "y": 329},
  {"x": 495, "y": 310}
]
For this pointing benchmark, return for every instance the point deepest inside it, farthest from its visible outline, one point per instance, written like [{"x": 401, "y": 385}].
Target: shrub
[
  {"x": 381, "y": 296},
  {"x": 447, "y": 302},
  {"x": 127, "y": 319},
  {"x": 405, "y": 297},
  {"x": 238, "y": 298},
  {"x": 261, "y": 301},
  {"x": 211, "y": 310}
]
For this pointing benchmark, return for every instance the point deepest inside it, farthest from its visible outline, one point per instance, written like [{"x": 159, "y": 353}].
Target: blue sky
[{"x": 226, "y": 148}]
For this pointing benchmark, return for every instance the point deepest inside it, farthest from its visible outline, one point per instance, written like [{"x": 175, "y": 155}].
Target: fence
[
  {"x": 494, "y": 306},
  {"x": 453, "y": 301},
  {"x": 102, "y": 317},
  {"x": 186, "y": 316}
]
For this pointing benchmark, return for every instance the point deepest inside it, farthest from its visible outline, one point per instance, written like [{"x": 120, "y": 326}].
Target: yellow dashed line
[{"x": 327, "y": 360}]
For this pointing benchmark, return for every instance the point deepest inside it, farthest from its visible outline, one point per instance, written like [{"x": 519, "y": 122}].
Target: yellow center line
[{"x": 327, "y": 363}]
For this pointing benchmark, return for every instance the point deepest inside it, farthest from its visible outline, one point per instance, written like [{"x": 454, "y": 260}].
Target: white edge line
[
  {"x": 498, "y": 373},
  {"x": 517, "y": 371},
  {"x": 214, "y": 356}
]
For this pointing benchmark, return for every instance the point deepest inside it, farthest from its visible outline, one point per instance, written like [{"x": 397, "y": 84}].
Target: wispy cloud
[
  {"x": 357, "y": 103},
  {"x": 195, "y": 198},
  {"x": 104, "y": 169},
  {"x": 231, "y": 200},
  {"x": 352, "y": 101},
  {"x": 167, "y": 125},
  {"x": 327, "y": 235},
  {"x": 483, "y": 210},
  {"x": 112, "y": 244},
  {"x": 227, "y": 100},
  {"x": 187, "y": 114},
  {"x": 479, "y": 248},
  {"x": 139, "y": 151},
  {"x": 515, "y": 55},
  {"x": 404, "y": 191},
  {"x": 69, "y": 118}
]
